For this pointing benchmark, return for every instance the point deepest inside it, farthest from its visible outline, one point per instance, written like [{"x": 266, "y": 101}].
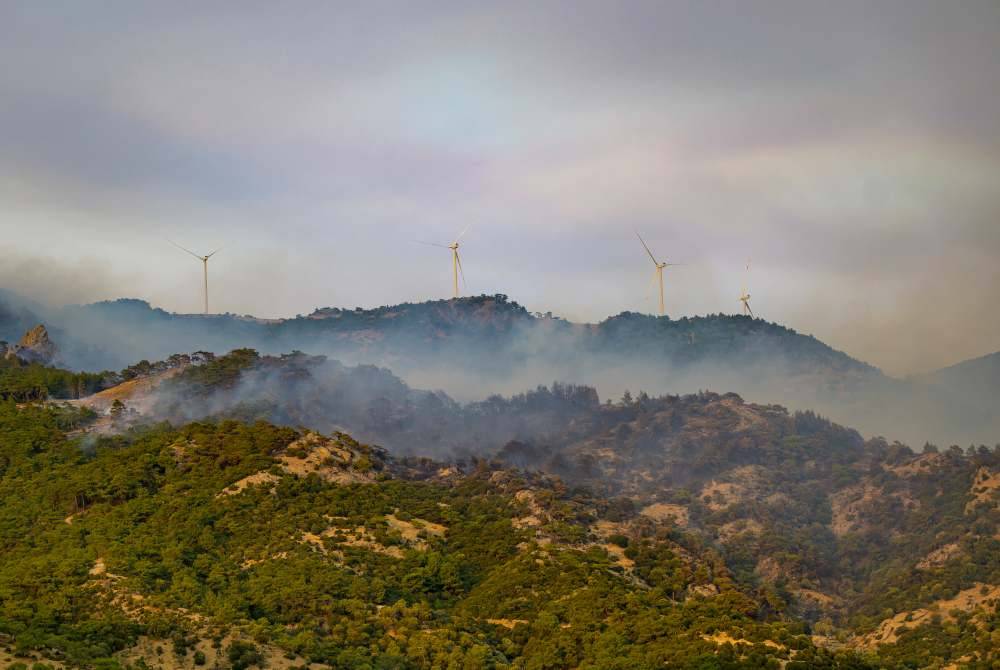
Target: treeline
[
  {"x": 22, "y": 381},
  {"x": 29, "y": 382}
]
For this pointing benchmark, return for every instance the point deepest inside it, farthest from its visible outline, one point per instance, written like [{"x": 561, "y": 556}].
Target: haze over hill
[{"x": 474, "y": 347}]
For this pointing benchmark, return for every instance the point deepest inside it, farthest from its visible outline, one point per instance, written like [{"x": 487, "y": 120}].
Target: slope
[
  {"x": 844, "y": 532},
  {"x": 252, "y": 543}
]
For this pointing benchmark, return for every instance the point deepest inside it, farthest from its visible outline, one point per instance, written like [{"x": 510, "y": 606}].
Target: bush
[
  {"x": 243, "y": 655},
  {"x": 619, "y": 540}
]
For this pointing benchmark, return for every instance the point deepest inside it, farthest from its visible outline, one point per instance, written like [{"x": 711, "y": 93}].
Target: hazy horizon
[{"x": 852, "y": 151}]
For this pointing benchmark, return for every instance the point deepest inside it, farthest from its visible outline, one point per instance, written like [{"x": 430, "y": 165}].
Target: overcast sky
[{"x": 851, "y": 149}]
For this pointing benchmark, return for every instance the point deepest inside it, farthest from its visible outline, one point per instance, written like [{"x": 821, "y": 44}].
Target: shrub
[{"x": 619, "y": 540}]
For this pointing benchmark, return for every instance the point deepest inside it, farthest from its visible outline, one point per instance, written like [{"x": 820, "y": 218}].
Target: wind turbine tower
[
  {"x": 455, "y": 265},
  {"x": 204, "y": 261},
  {"x": 745, "y": 297},
  {"x": 456, "y": 260},
  {"x": 659, "y": 270}
]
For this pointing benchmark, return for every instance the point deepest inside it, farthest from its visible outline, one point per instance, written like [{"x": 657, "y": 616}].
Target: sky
[{"x": 851, "y": 150}]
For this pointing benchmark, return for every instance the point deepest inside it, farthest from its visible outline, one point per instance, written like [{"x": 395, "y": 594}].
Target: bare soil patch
[{"x": 663, "y": 512}]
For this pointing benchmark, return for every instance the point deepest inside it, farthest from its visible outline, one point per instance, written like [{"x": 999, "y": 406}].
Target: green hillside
[
  {"x": 250, "y": 543},
  {"x": 553, "y": 530}
]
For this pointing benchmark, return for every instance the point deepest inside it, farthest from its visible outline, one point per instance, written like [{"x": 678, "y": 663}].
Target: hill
[
  {"x": 849, "y": 530},
  {"x": 981, "y": 375},
  {"x": 795, "y": 505},
  {"x": 475, "y": 347},
  {"x": 115, "y": 333},
  {"x": 965, "y": 394},
  {"x": 237, "y": 545}
]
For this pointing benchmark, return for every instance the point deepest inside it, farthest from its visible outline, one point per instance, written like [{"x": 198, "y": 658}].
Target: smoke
[
  {"x": 930, "y": 314},
  {"x": 56, "y": 282},
  {"x": 378, "y": 407},
  {"x": 373, "y": 405},
  {"x": 486, "y": 410},
  {"x": 481, "y": 347}
]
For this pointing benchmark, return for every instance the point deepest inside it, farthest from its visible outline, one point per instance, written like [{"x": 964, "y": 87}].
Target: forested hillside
[
  {"x": 849, "y": 532},
  {"x": 410, "y": 335},
  {"x": 729, "y": 508},
  {"x": 244, "y": 545}
]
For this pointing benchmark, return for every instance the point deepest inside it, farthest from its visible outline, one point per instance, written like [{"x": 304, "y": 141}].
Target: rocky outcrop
[{"x": 34, "y": 347}]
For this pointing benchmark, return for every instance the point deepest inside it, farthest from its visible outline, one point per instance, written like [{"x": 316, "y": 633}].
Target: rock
[{"x": 34, "y": 347}]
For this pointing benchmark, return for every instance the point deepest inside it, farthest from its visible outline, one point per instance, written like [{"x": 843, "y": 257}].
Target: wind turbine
[
  {"x": 204, "y": 261},
  {"x": 659, "y": 269},
  {"x": 745, "y": 297},
  {"x": 456, "y": 261}
]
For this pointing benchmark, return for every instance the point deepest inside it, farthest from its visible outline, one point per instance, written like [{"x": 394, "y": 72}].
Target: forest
[
  {"x": 218, "y": 527},
  {"x": 145, "y": 534}
]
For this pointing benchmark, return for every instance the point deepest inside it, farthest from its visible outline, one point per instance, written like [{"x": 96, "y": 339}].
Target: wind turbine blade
[
  {"x": 214, "y": 252},
  {"x": 187, "y": 250},
  {"x": 460, "y": 270},
  {"x": 645, "y": 247},
  {"x": 462, "y": 234},
  {"x": 432, "y": 244}
]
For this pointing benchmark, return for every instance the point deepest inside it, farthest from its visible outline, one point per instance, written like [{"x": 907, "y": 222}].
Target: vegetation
[
  {"x": 31, "y": 382},
  {"x": 27, "y": 382},
  {"x": 145, "y": 534},
  {"x": 483, "y": 332},
  {"x": 690, "y": 531}
]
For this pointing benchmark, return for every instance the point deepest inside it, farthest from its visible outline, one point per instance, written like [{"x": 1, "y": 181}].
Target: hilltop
[{"x": 130, "y": 330}]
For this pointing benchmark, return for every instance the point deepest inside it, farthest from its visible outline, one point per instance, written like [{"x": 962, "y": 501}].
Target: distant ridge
[
  {"x": 429, "y": 324},
  {"x": 981, "y": 373},
  {"x": 475, "y": 346}
]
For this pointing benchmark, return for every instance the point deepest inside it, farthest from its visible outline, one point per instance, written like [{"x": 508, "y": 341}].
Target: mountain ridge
[
  {"x": 448, "y": 316},
  {"x": 472, "y": 347}
]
